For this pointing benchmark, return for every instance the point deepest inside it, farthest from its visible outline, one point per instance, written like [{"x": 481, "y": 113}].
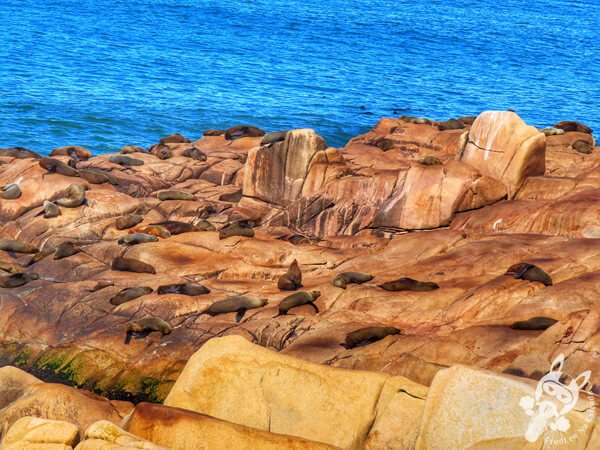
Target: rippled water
[{"x": 105, "y": 73}]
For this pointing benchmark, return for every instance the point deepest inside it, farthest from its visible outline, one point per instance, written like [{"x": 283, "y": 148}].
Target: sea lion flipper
[
  {"x": 128, "y": 338},
  {"x": 240, "y": 315},
  {"x": 315, "y": 307}
]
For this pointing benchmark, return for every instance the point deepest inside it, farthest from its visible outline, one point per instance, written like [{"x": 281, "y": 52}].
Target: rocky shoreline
[{"x": 474, "y": 240}]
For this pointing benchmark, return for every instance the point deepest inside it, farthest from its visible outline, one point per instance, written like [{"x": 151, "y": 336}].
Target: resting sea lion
[
  {"x": 415, "y": 120},
  {"x": 212, "y": 132},
  {"x": 65, "y": 250},
  {"x": 93, "y": 176},
  {"x": 242, "y": 131},
  {"x": 11, "y": 245},
  {"x": 233, "y": 197},
  {"x": 161, "y": 151},
  {"x": 535, "y": 323},
  {"x": 50, "y": 210},
  {"x": 570, "y": 125},
  {"x": 45, "y": 252},
  {"x": 131, "y": 265},
  {"x": 19, "y": 153},
  {"x": 17, "y": 279},
  {"x": 154, "y": 230},
  {"x": 101, "y": 285},
  {"x": 10, "y": 191},
  {"x": 203, "y": 225},
  {"x": 75, "y": 197},
  {"x": 467, "y": 120},
  {"x": 238, "y": 303},
  {"x": 174, "y": 227},
  {"x": 430, "y": 161},
  {"x": 183, "y": 289},
  {"x": 129, "y": 294},
  {"x": 292, "y": 279},
  {"x": 581, "y": 146},
  {"x": 451, "y": 124},
  {"x": 368, "y": 335},
  {"x": 273, "y": 136},
  {"x": 236, "y": 229},
  {"x": 385, "y": 144},
  {"x": 344, "y": 278},
  {"x": 551, "y": 131},
  {"x": 196, "y": 154},
  {"x": 408, "y": 284},
  {"x": 74, "y": 151},
  {"x": 529, "y": 272},
  {"x": 126, "y": 161},
  {"x": 174, "y": 138},
  {"x": 175, "y": 195},
  {"x": 298, "y": 299},
  {"x": 128, "y": 221},
  {"x": 128, "y": 149},
  {"x": 143, "y": 327},
  {"x": 136, "y": 238},
  {"x": 55, "y": 166}
]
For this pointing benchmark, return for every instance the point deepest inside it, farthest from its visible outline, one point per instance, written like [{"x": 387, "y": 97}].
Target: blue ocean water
[{"x": 104, "y": 73}]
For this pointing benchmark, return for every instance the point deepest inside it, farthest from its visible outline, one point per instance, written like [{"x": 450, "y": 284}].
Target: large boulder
[
  {"x": 104, "y": 435},
  {"x": 35, "y": 433}
]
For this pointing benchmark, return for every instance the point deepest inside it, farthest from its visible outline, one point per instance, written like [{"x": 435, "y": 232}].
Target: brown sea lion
[
  {"x": 203, "y": 225},
  {"x": 551, "y": 131},
  {"x": 535, "y": 323},
  {"x": 233, "y": 197},
  {"x": 129, "y": 149},
  {"x": 142, "y": 327},
  {"x": 19, "y": 153},
  {"x": 451, "y": 124},
  {"x": 175, "y": 195},
  {"x": 214, "y": 132},
  {"x": 344, "y": 278},
  {"x": 174, "y": 138},
  {"x": 129, "y": 294},
  {"x": 65, "y": 250},
  {"x": 292, "y": 279},
  {"x": 195, "y": 154},
  {"x": 17, "y": 279},
  {"x": 529, "y": 272},
  {"x": 154, "y": 230},
  {"x": 415, "y": 120},
  {"x": 581, "y": 146},
  {"x": 10, "y": 191},
  {"x": 131, "y": 265},
  {"x": 385, "y": 144},
  {"x": 175, "y": 227},
  {"x": 368, "y": 335},
  {"x": 161, "y": 151},
  {"x": 93, "y": 176},
  {"x": 570, "y": 125},
  {"x": 51, "y": 210},
  {"x": 236, "y": 229},
  {"x": 74, "y": 151},
  {"x": 238, "y": 303},
  {"x": 273, "y": 136},
  {"x": 124, "y": 160},
  {"x": 55, "y": 166},
  {"x": 75, "y": 197},
  {"x": 298, "y": 299},
  {"x": 11, "y": 245},
  {"x": 43, "y": 253},
  {"x": 467, "y": 120},
  {"x": 430, "y": 161},
  {"x": 408, "y": 284},
  {"x": 183, "y": 289},
  {"x": 128, "y": 221},
  {"x": 242, "y": 131},
  {"x": 136, "y": 238},
  {"x": 101, "y": 285}
]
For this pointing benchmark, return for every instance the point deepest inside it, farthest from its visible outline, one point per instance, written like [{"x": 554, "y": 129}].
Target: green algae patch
[
  {"x": 156, "y": 390},
  {"x": 18, "y": 355}
]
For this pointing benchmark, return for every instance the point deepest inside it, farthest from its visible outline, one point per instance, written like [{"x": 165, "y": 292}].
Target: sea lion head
[{"x": 315, "y": 294}]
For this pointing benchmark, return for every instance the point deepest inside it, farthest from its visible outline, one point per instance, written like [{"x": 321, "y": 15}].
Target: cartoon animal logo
[{"x": 553, "y": 400}]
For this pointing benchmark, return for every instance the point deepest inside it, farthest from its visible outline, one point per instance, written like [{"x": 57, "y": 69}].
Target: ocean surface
[{"x": 104, "y": 73}]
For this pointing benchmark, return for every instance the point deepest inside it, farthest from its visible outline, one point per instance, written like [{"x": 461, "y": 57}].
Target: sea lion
[
  {"x": 126, "y": 161},
  {"x": 65, "y": 250},
  {"x": 233, "y": 197},
  {"x": 529, "y": 272},
  {"x": 10, "y": 191},
  {"x": 175, "y": 227},
  {"x": 183, "y": 289},
  {"x": 101, "y": 285},
  {"x": 298, "y": 299},
  {"x": 154, "y": 230},
  {"x": 467, "y": 120},
  {"x": 43, "y": 253},
  {"x": 430, "y": 161},
  {"x": 19, "y": 153},
  {"x": 551, "y": 131},
  {"x": 581, "y": 146},
  {"x": 128, "y": 221},
  {"x": 344, "y": 278},
  {"x": 93, "y": 176},
  {"x": 196, "y": 154},
  {"x": 451, "y": 124},
  {"x": 72, "y": 163},
  {"x": 273, "y": 136},
  {"x": 415, "y": 120},
  {"x": 535, "y": 323},
  {"x": 74, "y": 151},
  {"x": 17, "y": 279},
  {"x": 11, "y": 245},
  {"x": 236, "y": 229},
  {"x": 131, "y": 265},
  {"x": 142, "y": 327},
  {"x": 129, "y": 149},
  {"x": 50, "y": 210},
  {"x": 55, "y": 166},
  {"x": 292, "y": 279},
  {"x": 385, "y": 144},
  {"x": 175, "y": 195},
  {"x": 129, "y": 294},
  {"x": 174, "y": 138},
  {"x": 242, "y": 131},
  {"x": 203, "y": 225},
  {"x": 75, "y": 197},
  {"x": 571, "y": 125},
  {"x": 161, "y": 151},
  {"x": 238, "y": 303},
  {"x": 214, "y": 132},
  {"x": 368, "y": 335},
  {"x": 408, "y": 284},
  {"x": 136, "y": 238}
]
